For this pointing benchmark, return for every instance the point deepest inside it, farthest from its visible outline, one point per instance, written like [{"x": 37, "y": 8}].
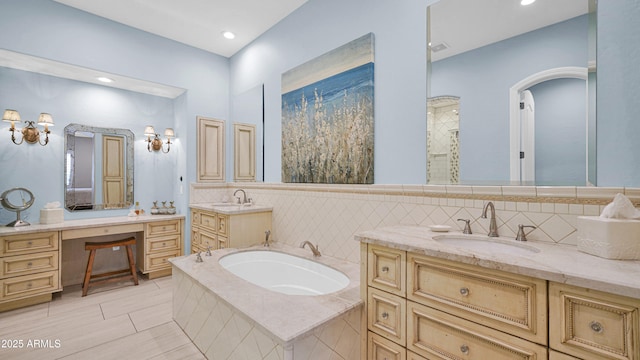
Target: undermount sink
[{"x": 486, "y": 244}]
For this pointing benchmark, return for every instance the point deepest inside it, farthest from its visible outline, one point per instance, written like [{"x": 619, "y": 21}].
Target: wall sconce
[
  {"x": 153, "y": 139},
  {"x": 30, "y": 133}
]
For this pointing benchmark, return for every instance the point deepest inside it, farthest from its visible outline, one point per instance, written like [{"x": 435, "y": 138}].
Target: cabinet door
[
  {"x": 387, "y": 269},
  {"x": 244, "y": 152},
  {"x": 211, "y": 147},
  {"x": 593, "y": 325},
  {"x": 386, "y": 315},
  {"x": 380, "y": 348}
]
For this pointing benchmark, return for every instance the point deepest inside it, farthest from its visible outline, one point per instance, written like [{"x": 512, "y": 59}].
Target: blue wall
[
  {"x": 482, "y": 78},
  {"x": 50, "y": 30}
]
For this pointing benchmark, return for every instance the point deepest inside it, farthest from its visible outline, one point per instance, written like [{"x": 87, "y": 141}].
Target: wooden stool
[{"x": 130, "y": 272}]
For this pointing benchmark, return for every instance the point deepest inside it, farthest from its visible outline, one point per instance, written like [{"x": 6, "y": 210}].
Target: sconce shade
[
  {"x": 10, "y": 115},
  {"x": 149, "y": 131},
  {"x": 45, "y": 119},
  {"x": 169, "y": 133}
]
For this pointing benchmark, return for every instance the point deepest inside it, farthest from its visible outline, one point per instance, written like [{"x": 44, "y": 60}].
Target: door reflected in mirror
[
  {"x": 481, "y": 64},
  {"x": 98, "y": 168}
]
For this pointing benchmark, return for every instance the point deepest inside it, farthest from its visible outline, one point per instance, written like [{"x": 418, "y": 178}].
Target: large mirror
[
  {"x": 511, "y": 92},
  {"x": 98, "y": 168}
]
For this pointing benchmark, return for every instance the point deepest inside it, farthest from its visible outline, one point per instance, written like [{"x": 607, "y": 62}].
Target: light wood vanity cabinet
[
  {"x": 420, "y": 307},
  {"x": 219, "y": 231},
  {"x": 29, "y": 268},
  {"x": 162, "y": 240}
]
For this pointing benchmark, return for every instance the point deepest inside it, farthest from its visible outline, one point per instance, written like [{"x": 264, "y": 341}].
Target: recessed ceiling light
[
  {"x": 527, "y": 2},
  {"x": 105, "y": 79},
  {"x": 228, "y": 35}
]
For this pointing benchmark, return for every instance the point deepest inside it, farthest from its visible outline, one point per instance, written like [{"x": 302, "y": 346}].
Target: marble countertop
[
  {"x": 559, "y": 263},
  {"x": 286, "y": 317},
  {"x": 231, "y": 209},
  {"x": 83, "y": 223}
]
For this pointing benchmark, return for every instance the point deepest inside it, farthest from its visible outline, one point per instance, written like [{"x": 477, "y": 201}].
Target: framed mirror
[
  {"x": 98, "y": 168},
  {"x": 524, "y": 82}
]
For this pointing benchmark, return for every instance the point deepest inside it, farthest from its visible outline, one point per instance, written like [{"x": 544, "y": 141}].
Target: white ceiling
[
  {"x": 465, "y": 25},
  {"x": 198, "y": 23}
]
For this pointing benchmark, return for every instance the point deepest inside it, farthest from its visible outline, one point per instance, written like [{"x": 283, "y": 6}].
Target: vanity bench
[{"x": 31, "y": 259}]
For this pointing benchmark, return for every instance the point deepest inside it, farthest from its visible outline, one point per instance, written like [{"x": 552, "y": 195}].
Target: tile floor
[{"x": 118, "y": 321}]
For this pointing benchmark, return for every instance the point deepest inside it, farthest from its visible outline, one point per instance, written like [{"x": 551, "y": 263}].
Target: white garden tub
[{"x": 284, "y": 273}]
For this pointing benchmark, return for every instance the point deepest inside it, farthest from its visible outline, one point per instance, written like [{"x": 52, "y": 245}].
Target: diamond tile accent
[{"x": 557, "y": 228}]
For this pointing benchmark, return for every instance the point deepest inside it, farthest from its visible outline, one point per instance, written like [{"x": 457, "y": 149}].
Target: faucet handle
[
  {"x": 208, "y": 253},
  {"x": 522, "y": 236},
  {"x": 198, "y": 257},
  {"x": 467, "y": 227}
]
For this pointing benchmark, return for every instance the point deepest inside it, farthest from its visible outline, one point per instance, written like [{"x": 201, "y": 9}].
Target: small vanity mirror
[{"x": 98, "y": 168}]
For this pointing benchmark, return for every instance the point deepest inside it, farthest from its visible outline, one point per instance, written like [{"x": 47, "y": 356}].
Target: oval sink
[{"x": 486, "y": 244}]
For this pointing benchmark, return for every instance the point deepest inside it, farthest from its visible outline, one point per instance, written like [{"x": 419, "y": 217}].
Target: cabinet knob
[
  {"x": 29, "y": 243},
  {"x": 596, "y": 327},
  {"x": 29, "y": 285},
  {"x": 29, "y": 264},
  {"x": 464, "y": 349},
  {"x": 385, "y": 315},
  {"x": 464, "y": 291},
  {"x": 385, "y": 269}
]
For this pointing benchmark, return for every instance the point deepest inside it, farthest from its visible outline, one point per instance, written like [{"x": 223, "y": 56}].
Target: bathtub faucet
[
  {"x": 314, "y": 249},
  {"x": 266, "y": 238}
]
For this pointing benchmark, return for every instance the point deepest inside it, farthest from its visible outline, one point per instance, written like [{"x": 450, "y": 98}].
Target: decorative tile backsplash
[{"x": 330, "y": 215}]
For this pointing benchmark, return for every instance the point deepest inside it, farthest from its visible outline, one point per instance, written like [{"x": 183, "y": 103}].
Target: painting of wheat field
[{"x": 327, "y": 117}]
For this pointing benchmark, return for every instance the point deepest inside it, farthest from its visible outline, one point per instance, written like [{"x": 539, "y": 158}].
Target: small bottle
[
  {"x": 164, "y": 209},
  {"x": 172, "y": 209},
  {"x": 137, "y": 209},
  {"x": 154, "y": 208}
]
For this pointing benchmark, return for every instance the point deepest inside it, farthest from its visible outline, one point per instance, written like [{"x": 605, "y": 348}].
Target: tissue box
[
  {"x": 609, "y": 238},
  {"x": 51, "y": 216}
]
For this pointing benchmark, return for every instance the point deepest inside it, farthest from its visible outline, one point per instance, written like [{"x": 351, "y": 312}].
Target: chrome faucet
[
  {"x": 493, "y": 227},
  {"x": 267, "y": 233},
  {"x": 522, "y": 235},
  {"x": 198, "y": 258},
  {"x": 244, "y": 196},
  {"x": 314, "y": 249}
]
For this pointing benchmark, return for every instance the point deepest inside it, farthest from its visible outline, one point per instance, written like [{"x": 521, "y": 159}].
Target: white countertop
[
  {"x": 287, "y": 317},
  {"x": 231, "y": 209},
  {"x": 83, "y": 223},
  {"x": 559, "y": 263}
]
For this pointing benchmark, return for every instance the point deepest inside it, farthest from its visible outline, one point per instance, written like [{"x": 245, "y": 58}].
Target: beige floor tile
[
  {"x": 152, "y": 316},
  {"x": 184, "y": 352},
  {"x": 135, "y": 302}
]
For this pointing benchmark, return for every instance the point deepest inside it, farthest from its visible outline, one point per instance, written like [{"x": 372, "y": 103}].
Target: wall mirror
[
  {"x": 481, "y": 53},
  {"x": 98, "y": 168}
]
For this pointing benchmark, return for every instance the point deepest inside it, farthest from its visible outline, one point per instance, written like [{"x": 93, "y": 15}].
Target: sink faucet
[
  {"x": 493, "y": 228},
  {"x": 266, "y": 238},
  {"x": 314, "y": 249},
  {"x": 244, "y": 196}
]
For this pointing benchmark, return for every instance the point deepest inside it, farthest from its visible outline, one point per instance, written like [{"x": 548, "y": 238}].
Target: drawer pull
[
  {"x": 464, "y": 291},
  {"x": 385, "y": 269},
  {"x": 29, "y": 285},
  {"x": 596, "y": 327},
  {"x": 29, "y": 243},
  {"x": 29, "y": 264},
  {"x": 385, "y": 315},
  {"x": 464, "y": 349}
]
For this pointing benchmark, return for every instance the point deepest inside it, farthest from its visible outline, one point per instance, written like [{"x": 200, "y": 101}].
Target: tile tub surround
[
  {"x": 558, "y": 263},
  {"x": 330, "y": 215},
  {"x": 226, "y": 316}
]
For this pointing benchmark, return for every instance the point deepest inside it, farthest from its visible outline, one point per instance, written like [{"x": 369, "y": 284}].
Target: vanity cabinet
[
  {"x": 29, "y": 268},
  {"x": 162, "y": 240},
  {"x": 420, "y": 307},
  {"x": 218, "y": 230}
]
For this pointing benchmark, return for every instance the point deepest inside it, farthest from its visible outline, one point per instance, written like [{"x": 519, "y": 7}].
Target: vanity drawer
[
  {"x": 414, "y": 356},
  {"x": 437, "y": 335},
  {"x": 383, "y": 349},
  {"x": 386, "y": 269},
  {"x": 28, "y": 285},
  {"x": 195, "y": 218},
  {"x": 554, "y": 355},
  {"x": 28, "y": 243},
  {"x": 209, "y": 220},
  {"x": 222, "y": 242},
  {"x": 101, "y": 230},
  {"x": 11, "y": 266},
  {"x": 591, "y": 324},
  {"x": 163, "y": 243},
  {"x": 511, "y": 303},
  {"x": 386, "y": 315},
  {"x": 206, "y": 239},
  {"x": 159, "y": 261},
  {"x": 163, "y": 228}
]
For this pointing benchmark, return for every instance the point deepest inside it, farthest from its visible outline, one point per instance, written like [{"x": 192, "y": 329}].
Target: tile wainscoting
[{"x": 330, "y": 215}]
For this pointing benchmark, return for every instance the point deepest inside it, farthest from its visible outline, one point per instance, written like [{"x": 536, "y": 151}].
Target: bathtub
[
  {"x": 227, "y": 316},
  {"x": 284, "y": 273}
]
